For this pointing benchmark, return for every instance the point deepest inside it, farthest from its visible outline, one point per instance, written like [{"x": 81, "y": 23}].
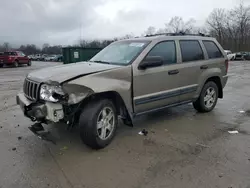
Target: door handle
[
  {"x": 172, "y": 72},
  {"x": 204, "y": 67}
]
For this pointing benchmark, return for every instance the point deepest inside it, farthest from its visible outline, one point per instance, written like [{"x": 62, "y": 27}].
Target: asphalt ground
[{"x": 183, "y": 148}]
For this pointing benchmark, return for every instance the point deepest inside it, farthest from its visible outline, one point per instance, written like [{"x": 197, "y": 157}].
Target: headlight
[{"x": 47, "y": 92}]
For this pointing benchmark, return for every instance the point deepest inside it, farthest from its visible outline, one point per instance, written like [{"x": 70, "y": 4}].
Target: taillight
[{"x": 226, "y": 63}]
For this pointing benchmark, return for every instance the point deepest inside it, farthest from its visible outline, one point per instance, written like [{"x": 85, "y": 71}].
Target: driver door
[{"x": 157, "y": 87}]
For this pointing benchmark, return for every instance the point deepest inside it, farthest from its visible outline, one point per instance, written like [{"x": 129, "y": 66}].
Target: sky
[{"x": 66, "y": 21}]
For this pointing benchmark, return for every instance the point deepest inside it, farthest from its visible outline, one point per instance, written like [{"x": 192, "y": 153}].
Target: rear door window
[
  {"x": 166, "y": 50},
  {"x": 191, "y": 50},
  {"x": 212, "y": 50}
]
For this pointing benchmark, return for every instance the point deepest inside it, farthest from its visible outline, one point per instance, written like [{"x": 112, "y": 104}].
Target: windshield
[{"x": 121, "y": 53}]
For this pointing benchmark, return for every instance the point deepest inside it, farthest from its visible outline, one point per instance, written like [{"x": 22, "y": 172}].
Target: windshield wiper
[{"x": 104, "y": 62}]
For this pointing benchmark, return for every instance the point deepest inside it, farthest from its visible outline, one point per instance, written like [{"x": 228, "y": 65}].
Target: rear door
[
  {"x": 193, "y": 63},
  {"x": 157, "y": 87}
]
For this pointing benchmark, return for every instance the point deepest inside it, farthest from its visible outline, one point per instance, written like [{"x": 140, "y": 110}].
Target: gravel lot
[{"x": 183, "y": 148}]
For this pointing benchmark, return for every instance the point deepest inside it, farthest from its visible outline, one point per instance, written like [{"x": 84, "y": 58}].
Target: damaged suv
[{"x": 126, "y": 79}]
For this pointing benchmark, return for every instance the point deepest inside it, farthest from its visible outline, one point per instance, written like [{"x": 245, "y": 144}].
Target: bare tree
[
  {"x": 177, "y": 24},
  {"x": 231, "y": 28},
  {"x": 240, "y": 17},
  {"x": 6, "y": 46},
  {"x": 150, "y": 31},
  {"x": 216, "y": 22}
]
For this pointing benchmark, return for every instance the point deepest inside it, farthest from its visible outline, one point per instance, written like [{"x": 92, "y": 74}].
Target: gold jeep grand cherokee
[{"x": 127, "y": 79}]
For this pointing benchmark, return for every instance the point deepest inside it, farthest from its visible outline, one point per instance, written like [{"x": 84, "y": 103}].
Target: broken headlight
[{"x": 48, "y": 92}]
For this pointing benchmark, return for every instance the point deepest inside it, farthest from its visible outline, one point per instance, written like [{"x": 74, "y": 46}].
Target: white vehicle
[
  {"x": 230, "y": 55},
  {"x": 50, "y": 58},
  {"x": 37, "y": 57}
]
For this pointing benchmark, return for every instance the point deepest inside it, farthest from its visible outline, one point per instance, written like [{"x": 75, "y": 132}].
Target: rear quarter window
[{"x": 212, "y": 50}]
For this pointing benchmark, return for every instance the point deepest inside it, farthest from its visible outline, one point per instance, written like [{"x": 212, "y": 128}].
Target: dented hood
[{"x": 63, "y": 73}]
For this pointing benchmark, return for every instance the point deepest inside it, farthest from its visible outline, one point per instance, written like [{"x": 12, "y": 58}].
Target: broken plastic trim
[{"x": 40, "y": 132}]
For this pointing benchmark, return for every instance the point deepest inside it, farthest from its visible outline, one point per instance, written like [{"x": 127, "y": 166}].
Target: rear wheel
[
  {"x": 208, "y": 98},
  {"x": 29, "y": 63},
  {"x": 98, "y": 123},
  {"x": 15, "y": 64}
]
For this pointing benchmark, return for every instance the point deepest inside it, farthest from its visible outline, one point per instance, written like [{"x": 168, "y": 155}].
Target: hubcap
[
  {"x": 105, "y": 123},
  {"x": 210, "y": 97}
]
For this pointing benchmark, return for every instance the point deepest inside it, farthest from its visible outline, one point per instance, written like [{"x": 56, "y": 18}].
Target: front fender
[{"x": 117, "y": 80}]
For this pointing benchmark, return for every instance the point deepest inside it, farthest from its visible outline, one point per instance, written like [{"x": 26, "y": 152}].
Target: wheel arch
[
  {"x": 115, "y": 97},
  {"x": 217, "y": 81}
]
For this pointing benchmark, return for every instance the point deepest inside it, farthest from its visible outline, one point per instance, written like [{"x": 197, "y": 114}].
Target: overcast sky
[{"x": 64, "y": 21}]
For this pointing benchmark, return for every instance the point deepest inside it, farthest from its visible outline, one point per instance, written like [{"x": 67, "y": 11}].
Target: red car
[{"x": 14, "y": 58}]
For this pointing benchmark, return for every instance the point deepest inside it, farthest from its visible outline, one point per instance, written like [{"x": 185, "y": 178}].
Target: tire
[
  {"x": 90, "y": 131},
  {"x": 15, "y": 64},
  {"x": 200, "y": 105},
  {"x": 29, "y": 63}
]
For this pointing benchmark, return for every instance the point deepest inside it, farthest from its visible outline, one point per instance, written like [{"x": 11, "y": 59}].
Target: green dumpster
[{"x": 77, "y": 54}]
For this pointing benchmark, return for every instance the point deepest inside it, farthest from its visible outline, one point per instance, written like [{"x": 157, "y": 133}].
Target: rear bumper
[
  {"x": 3, "y": 62},
  {"x": 224, "y": 80},
  {"x": 43, "y": 112}
]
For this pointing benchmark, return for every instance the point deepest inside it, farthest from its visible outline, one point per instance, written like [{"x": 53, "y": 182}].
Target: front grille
[{"x": 31, "y": 89}]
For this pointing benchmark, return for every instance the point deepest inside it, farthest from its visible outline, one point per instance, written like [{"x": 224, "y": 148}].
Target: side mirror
[{"x": 151, "y": 61}]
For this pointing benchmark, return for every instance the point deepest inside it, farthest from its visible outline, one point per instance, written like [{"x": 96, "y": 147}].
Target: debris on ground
[
  {"x": 19, "y": 138},
  {"x": 1, "y": 127},
  {"x": 13, "y": 149},
  {"x": 149, "y": 142},
  {"x": 202, "y": 145},
  {"x": 221, "y": 175},
  {"x": 64, "y": 148},
  {"x": 143, "y": 132},
  {"x": 233, "y": 132},
  {"x": 241, "y": 111},
  {"x": 166, "y": 130}
]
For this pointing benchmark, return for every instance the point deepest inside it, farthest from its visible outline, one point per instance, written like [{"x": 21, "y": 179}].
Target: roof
[{"x": 171, "y": 36}]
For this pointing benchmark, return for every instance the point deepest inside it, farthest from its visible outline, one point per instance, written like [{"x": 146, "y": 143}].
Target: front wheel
[
  {"x": 98, "y": 123},
  {"x": 208, "y": 98}
]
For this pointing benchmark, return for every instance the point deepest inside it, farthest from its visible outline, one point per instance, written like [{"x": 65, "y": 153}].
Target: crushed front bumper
[{"x": 43, "y": 112}]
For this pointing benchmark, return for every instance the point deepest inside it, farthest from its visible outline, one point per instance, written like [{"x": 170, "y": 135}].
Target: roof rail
[{"x": 178, "y": 34}]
